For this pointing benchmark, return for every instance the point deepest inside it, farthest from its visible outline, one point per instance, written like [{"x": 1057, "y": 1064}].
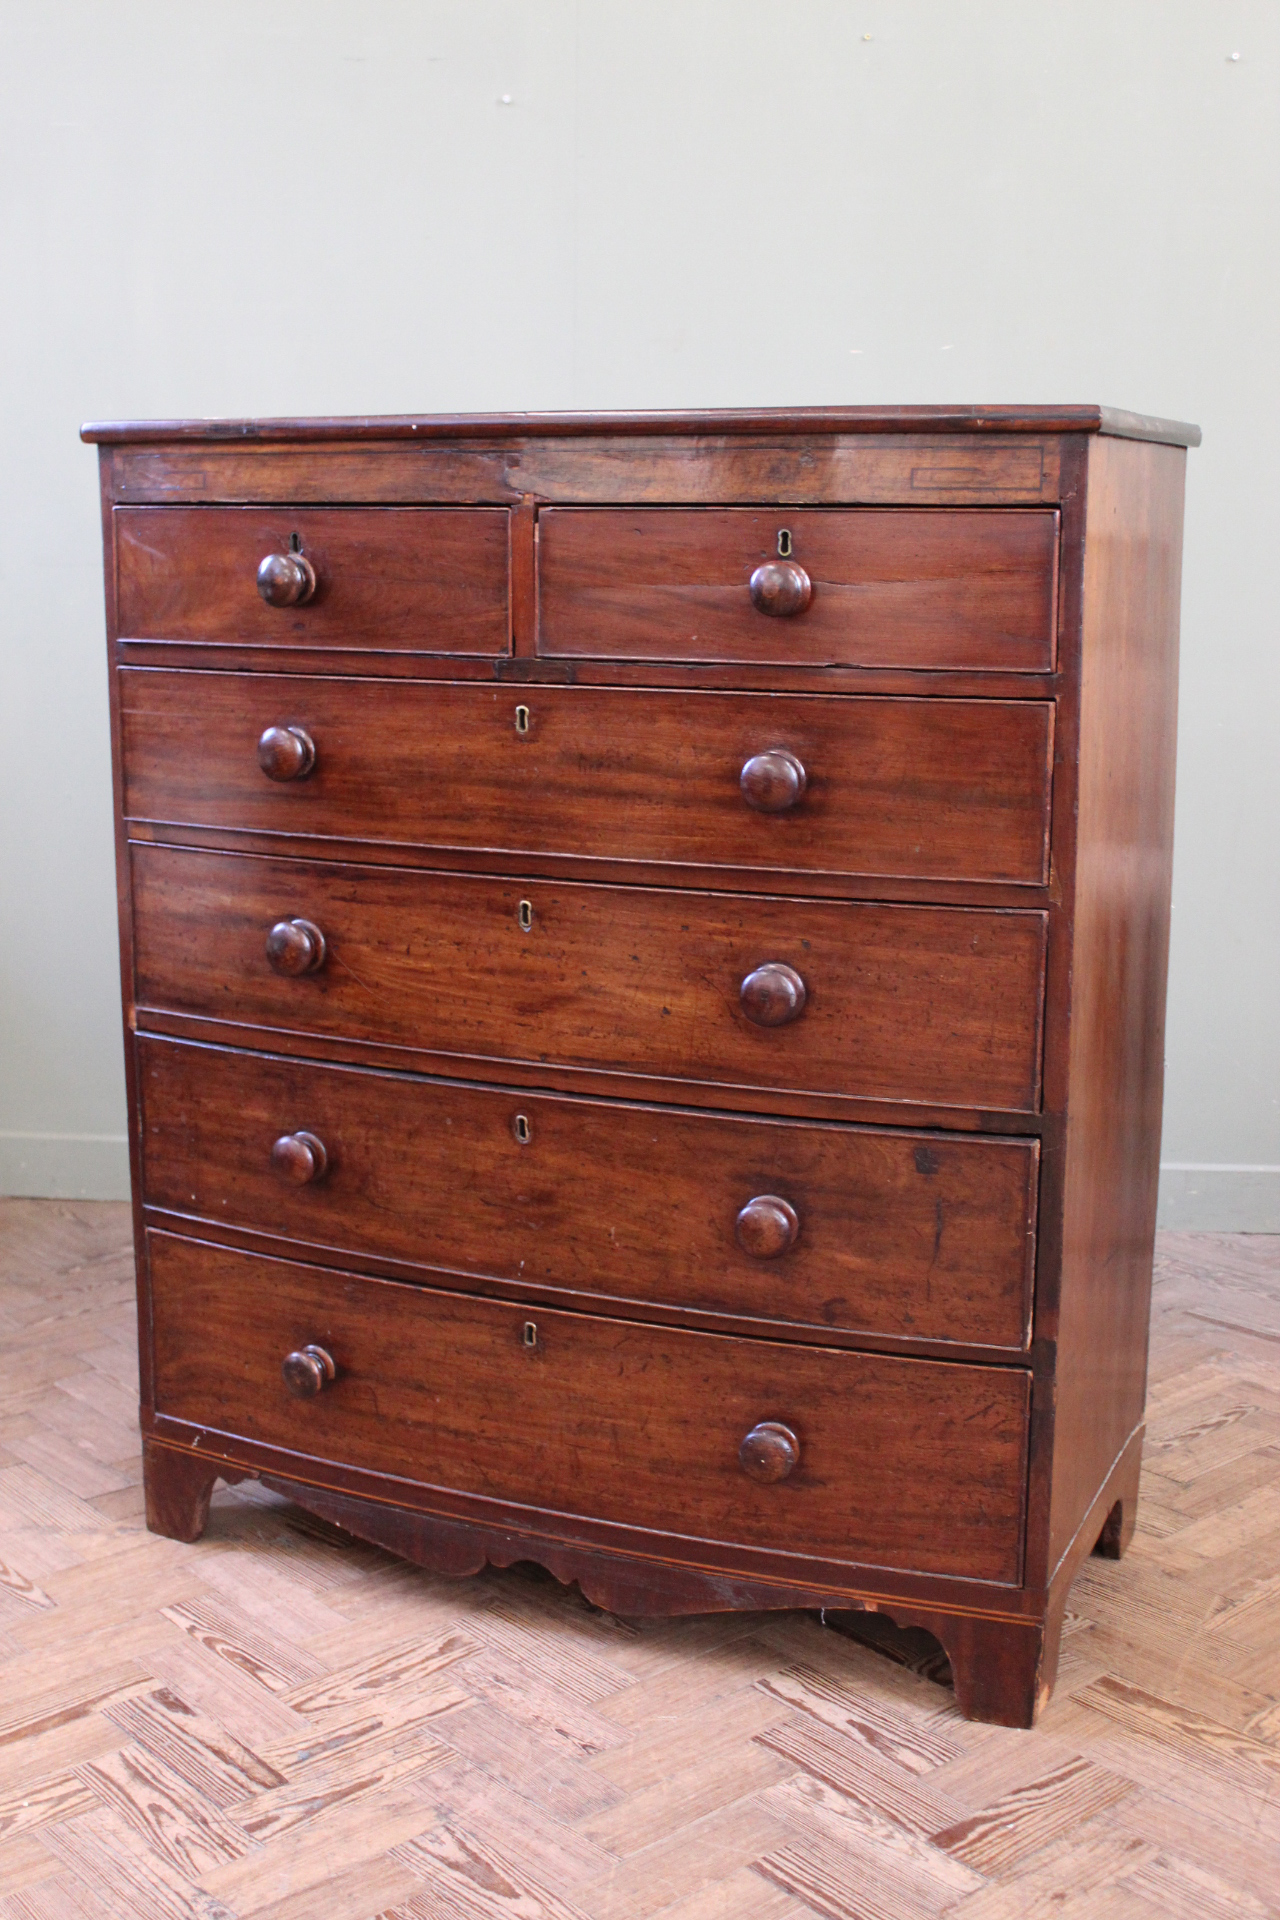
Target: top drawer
[
  {"x": 958, "y": 588},
  {"x": 403, "y": 579}
]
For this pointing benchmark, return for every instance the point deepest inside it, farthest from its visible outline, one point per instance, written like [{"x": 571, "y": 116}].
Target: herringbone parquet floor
[{"x": 280, "y": 1724}]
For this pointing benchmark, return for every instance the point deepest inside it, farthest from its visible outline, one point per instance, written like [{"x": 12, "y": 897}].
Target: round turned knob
[
  {"x": 771, "y": 782},
  {"x": 773, "y": 995},
  {"x": 286, "y": 753},
  {"x": 300, "y": 1157},
  {"x": 767, "y": 1226},
  {"x": 295, "y": 946},
  {"x": 308, "y": 1371},
  {"x": 781, "y": 587},
  {"x": 769, "y": 1452},
  {"x": 286, "y": 580}
]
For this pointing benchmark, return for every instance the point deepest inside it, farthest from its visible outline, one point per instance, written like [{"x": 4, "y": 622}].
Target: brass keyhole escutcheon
[
  {"x": 522, "y": 721},
  {"x": 522, "y": 1129},
  {"x": 525, "y": 915},
  {"x": 530, "y": 1334},
  {"x": 784, "y": 543}
]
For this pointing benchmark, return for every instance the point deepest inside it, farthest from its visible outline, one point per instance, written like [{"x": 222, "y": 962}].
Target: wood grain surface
[
  {"x": 908, "y": 1003},
  {"x": 920, "y": 588},
  {"x": 609, "y": 1419},
  {"x": 280, "y": 1722},
  {"x": 1123, "y": 889},
  {"x": 911, "y": 1236},
  {"x": 423, "y": 580},
  {"x": 949, "y": 789},
  {"x": 815, "y": 420}
]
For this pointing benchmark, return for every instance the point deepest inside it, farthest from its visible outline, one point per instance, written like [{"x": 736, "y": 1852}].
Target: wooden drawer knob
[
  {"x": 295, "y": 946},
  {"x": 781, "y": 587},
  {"x": 286, "y": 753},
  {"x": 770, "y": 782},
  {"x": 769, "y": 1452},
  {"x": 300, "y": 1157},
  {"x": 767, "y": 1226},
  {"x": 286, "y": 580},
  {"x": 773, "y": 995},
  {"x": 308, "y": 1371}
]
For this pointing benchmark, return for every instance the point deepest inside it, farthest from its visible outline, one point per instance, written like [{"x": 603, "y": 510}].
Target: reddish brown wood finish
[
  {"x": 769, "y": 1453},
  {"x": 1123, "y": 879},
  {"x": 944, "y": 810},
  {"x": 920, "y": 588},
  {"x": 177, "y": 1490},
  {"x": 821, "y": 421},
  {"x": 935, "y": 788},
  {"x": 767, "y": 1226},
  {"x": 442, "y": 1389},
  {"x": 917, "y": 1004},
  {"x": 919, "y": 1236},
  {"x": 433, "y": 580},
  {"x": 286, "y": 753}
]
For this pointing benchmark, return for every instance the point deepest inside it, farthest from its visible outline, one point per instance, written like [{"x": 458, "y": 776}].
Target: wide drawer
[
  {"x": 969, "y": 587},
  {"x": 938, "y": 1005},
  {"x": 398, "y": 579},
  {"x": 909, "y": 1235},
  {"x": 937, "y": 789},
  {"x": 901, "y": 1463}
]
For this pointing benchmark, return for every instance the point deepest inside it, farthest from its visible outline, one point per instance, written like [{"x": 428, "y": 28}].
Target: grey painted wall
[{"x": 394, "y": 205}]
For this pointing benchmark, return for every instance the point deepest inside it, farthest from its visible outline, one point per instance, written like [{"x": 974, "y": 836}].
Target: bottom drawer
[{"x": 914, "y": 1464}]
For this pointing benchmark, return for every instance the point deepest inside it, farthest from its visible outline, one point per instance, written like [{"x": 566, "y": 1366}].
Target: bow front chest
[{"x": 644, "y": 947}]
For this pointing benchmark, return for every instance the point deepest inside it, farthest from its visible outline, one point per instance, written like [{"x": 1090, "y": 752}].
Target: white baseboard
[
  {"x": 65, "y": 1166},
  {"x": 1219, "y": 1198},
  {"x": 1213, "y": 1197}
]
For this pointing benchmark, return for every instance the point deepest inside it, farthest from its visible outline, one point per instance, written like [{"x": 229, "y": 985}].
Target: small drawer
[
  {"x": 394, "y": 579},
  {"x": 803, "y": 1450},
  {"x": 937, "y": 1005},
  {"x": 960, "y": 588},
  {"x": 802, "y": 784},
  {"x": 922, "y": 1236}
]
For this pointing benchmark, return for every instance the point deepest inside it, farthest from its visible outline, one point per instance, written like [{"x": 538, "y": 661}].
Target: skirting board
[
  {"x": 64, "y": 1166},
  {"x": 1213, "y": 1198},
  {"x": 1219, "y": 1198}
]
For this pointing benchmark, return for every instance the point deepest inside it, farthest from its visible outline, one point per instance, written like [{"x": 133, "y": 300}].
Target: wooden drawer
[
  {"x": 396, "y": 579},
  {"x": 905, "y": 1235},
  {"x": 902, "y": 1463},
  {"x": 945, "y": 789},
  {"x": 972, "y": 587},
  {"x": 937, "y": 1005}
]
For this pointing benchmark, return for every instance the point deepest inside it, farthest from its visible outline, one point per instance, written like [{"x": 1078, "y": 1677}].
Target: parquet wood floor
[{"x": 278, "y": 1723}]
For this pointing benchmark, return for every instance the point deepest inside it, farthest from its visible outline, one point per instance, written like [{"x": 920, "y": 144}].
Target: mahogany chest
[{"x": 644, "y": 949}]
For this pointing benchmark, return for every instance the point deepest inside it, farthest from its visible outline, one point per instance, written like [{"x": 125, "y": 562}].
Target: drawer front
[
  {"x": 571, "y": 1414},
  {"x": 971, "y": 587},
  {"x": 938, "y": 1005},
  {"x": 911, "y": 1235},
  {"x": 947, "y": 789},
  {"x": 400, "y": 579}
]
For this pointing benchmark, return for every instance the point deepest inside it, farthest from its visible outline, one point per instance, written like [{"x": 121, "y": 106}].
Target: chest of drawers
[{"x": 643, "y": 949}]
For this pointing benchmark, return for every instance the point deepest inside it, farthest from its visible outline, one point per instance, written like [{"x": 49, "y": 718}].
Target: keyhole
[
  {"x": 295, "y": 543},
  {"x": 526, "y": 915},
  {"x": 530, "y": 1334},
  {"x": 784, "y": 542},
  {"x": 521, "y": 1129},
  {"x": 522, "y": 720}
]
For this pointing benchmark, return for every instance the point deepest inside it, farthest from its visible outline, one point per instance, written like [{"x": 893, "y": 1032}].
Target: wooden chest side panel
[
  {"x": 1128, "y": 716},
  {"x": 910, "y": 1463},
  {"x": 906, "y": 1235},
  {"x": 933, "y": 1005}
]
